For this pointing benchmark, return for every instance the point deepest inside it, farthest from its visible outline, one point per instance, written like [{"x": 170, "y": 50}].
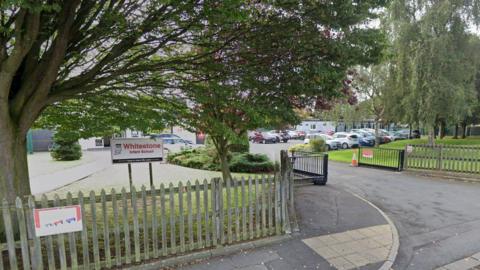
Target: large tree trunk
[
  {"x": 455, "y": 136},
  {"x": 464, "y": 130},
  {"x": 441, "y": 131},
  {"x": 226, "y": 174},
  {"x": 377, "y": 138},
  {"x": 221, "y": 144},
  {"x": 14, "y": 179}
]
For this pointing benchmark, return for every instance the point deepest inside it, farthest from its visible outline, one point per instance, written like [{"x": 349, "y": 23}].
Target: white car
[
  {"x": 332, "y": 144},
  {"x": 173, "y": 145},
  {"x": 347, "y": 140}
]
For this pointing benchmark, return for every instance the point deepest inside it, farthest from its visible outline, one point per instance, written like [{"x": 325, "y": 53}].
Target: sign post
[
  {"x": 132, "y": 150},
  {"x": 151, "y": 173},
  {"x": 130, "y": 174}
]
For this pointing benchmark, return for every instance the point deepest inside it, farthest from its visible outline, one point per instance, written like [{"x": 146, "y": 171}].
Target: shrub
[
  {"x": 300, "y": 148},
  {"x": 205, "y": 158},
  {"x": 66, "y": 146},
  {"x": 315, "y": 145},
  {"x": 241, "y": 146},
  {"x": 251, "y": 163},
  {"x": 318, "y": 145}
]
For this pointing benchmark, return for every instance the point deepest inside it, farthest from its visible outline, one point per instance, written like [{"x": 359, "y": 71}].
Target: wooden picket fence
[
  {"x": 134, "y": 227},
  {"x": 450, "y": 158}
]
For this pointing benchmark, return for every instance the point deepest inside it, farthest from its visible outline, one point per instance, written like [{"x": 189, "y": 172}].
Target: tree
[
  {"x": 431, "y": 70},
  {"x": 51, "y": 51},
  {"x": 107, "y": 114},
  {"x": 66, "y": 146},
  {"x": 287, "y": 54},
  {"x": 372, "y": 84}
]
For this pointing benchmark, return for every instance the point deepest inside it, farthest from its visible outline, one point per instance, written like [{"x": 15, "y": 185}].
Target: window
[
  {"x": 313, "y": 126},
  {"x": 98, "y": 142}
]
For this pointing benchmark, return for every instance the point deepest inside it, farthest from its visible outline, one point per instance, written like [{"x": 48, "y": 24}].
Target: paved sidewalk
[
  {"x": 47, "y": 175},
  {"x": 337, "y": 231},
  {"x": 469, "y": 263}
]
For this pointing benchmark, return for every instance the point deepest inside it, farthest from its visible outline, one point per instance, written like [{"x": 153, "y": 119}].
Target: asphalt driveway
[{"x": 438, "y": 220}]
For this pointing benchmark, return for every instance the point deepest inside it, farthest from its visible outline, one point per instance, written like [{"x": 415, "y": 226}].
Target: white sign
[
  {"x": 50, "y": 221},
  {"x": 409, "y": 149},
  {"x": 128, "y": 150}
]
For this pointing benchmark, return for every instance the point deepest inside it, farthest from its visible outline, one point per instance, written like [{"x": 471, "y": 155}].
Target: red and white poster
[
  {"x": 57, "y": 220},
  {"x": 367, "y": 153}
]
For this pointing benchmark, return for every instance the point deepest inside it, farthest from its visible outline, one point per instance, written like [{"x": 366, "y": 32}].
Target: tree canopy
[
  {"x": 146, "y": 57},
  {"x": 433, "y": 60}
]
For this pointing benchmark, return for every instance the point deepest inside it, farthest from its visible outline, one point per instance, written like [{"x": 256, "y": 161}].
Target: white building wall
[
  {"x": 314, "y": 126},
  {"x": 98, "y": 142},
  {"x": 91, "y": 143}
]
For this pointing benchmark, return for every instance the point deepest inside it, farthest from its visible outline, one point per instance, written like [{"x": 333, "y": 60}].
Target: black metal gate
[
  {"x": 381, "y": 157},
  {"x": 310, "y": 166}
]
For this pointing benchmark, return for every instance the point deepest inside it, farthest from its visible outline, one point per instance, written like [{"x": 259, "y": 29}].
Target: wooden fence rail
[
  {"x": 451, "y": 158},
  {"x": 122, "y": 228}
]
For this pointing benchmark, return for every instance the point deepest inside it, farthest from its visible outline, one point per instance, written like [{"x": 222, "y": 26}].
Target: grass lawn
[
  {"x": 447, "y": 141},
  {"x": 342, "y": 155},
  {"x": 346, "y": 155}
]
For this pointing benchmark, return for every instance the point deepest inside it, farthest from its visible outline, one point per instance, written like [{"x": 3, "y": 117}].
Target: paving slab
[
  {"x": 337, "y": 231},
  {"x": 438, "y": 220}
]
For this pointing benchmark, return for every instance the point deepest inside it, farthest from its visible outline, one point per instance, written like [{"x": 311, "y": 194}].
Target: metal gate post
[
  {"x": 401, "y": 160},
  {"x": 325, "y": 167}
]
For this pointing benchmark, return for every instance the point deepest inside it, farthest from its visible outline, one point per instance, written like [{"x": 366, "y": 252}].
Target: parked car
[
  {"x": 365, "y": 138},
  {"x": 383, "y": 135},
  {"x": 282, "y": 136},
  {"x": 415, "y": 134},
  {"x": 174, "y": 144},
  {"x": 386, "y": 134},
  {"x": 264, "y": 137},
  {"x": 400, "y": 134},
  {"x": 296, "y": 135},
  {"x": 348, "y": 140},
  {"x": 164, "y": 135}
]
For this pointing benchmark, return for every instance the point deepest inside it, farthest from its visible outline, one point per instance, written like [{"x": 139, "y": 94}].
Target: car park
[
  {"x": 365, "y": 138},
  {"x": 282, "y": 136},
  {"x": 296, "y": 135},
  {"x": 264, "y": 137},
  {"x": 348, "y": 140},
  {"x": 164, "y": 135},
  {"x": 400, "y": 135},
  {"x": 415, "y": 134}
]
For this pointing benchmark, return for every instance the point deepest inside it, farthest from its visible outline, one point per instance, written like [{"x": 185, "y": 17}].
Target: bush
[
  {"x": 318, "y": 145},
  {"x": 205, "y": 158},
  {"x": 315, "y": 145},
  {"x": 300, "y": 148},
  {"x": 242, "y": 146},
  {"x": 251, "y": 163},
  {"x": 66, "y": 147}
]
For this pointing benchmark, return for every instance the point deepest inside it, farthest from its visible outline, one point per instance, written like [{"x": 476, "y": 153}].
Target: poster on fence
[
  {"x": 128, "y": 150},
  {"x": 57, "y": 220},
  {"x": 367, "y": 153}
]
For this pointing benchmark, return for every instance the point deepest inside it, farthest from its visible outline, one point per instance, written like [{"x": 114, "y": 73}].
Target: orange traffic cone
[{"x": 354, "y": 160}]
